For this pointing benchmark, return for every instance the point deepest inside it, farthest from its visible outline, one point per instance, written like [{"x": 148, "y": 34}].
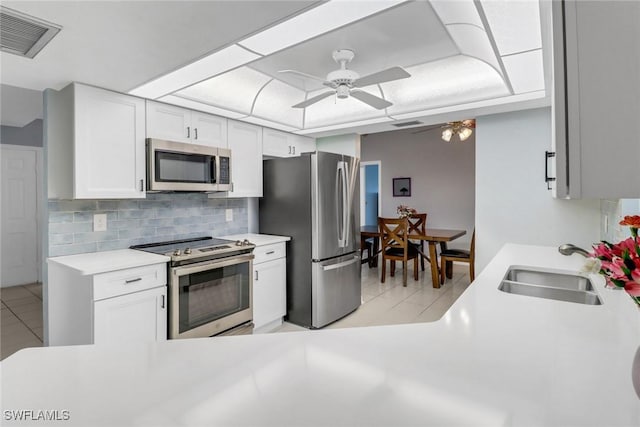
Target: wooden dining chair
[
  {"x": 396, "y": 247},
  {"x": 418, "y": 225},
  {"x": 459, "y": 255}
]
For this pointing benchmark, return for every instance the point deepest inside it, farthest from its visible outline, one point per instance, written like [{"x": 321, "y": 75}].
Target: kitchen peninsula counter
[{"x": 493, "y": 359}]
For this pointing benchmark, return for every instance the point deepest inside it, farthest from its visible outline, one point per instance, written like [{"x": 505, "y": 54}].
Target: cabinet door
[
  {"x": 168, "y": 122},
  {"x": 109, "y": 159},
  {"x": 209, "y": 129},
  {"x": 597, "y": 92},
  {"x": 276, "y": 143},
  {"x": 140, "y": 316},
  {"x": 269, "y": 291},
  {"x": 245, "y": 142},
  {"x": 302, "y": 144}
]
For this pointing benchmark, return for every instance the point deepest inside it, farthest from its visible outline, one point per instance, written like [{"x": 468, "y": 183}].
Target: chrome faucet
[{"x": 569, "y": 249}]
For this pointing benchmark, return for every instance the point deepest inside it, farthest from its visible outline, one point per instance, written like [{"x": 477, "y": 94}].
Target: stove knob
[
  {"x": 246, "y": 242},
  {"x": 187, "y": 251},
  {"x": 176, "y": 252},
  {"x": 238, "y": 243}
]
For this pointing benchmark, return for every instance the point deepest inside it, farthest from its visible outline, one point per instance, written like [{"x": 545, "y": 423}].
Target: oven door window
[
  {"x": 181, "y": 167},
  {"x": 212, "y": 294}
]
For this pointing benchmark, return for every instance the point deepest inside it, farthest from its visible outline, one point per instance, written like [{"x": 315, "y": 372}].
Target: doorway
[
  {"x": 20, "y": 227},
  {"x": 370, "y": 201}
]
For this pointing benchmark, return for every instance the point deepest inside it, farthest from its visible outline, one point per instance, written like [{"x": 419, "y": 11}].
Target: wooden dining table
[{"x": 432, "y": 236}]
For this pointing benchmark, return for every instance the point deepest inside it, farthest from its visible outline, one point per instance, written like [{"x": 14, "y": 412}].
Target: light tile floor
[
  {"x": 383, "y": 304},
  {"x": 21, "y": 322},
  {"x": 391, "y": 303}
]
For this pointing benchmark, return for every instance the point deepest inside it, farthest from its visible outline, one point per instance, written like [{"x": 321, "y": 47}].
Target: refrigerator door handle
[
  {"x": 340, "y": 204},
  {"x": 356, "y": 258},
  {"x": 346, "y": 204}
]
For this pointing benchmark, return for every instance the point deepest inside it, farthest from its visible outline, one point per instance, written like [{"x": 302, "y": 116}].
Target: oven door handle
[{"x": 210, "y": 265}]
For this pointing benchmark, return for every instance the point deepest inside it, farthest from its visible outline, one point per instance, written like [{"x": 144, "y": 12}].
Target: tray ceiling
[{"x": 462, "y": 55}]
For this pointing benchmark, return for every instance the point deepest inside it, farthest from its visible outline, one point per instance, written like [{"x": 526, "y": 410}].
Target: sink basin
[
  {"x": 557, "y": 285},
  {"x": 558, "y": 294},
  {"x": 552, "y": 278}
]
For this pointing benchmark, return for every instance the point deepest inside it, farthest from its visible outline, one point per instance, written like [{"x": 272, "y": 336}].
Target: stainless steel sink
[
  {"x": 550, "y": 284},
  {"x": 553, "y": 278}
]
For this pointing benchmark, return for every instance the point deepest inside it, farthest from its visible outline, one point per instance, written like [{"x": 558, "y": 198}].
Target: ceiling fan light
[
  {"x": 464, "y": 133},
  {"x": 342, "y": 91},
  {"x": 447, "y": 134}
]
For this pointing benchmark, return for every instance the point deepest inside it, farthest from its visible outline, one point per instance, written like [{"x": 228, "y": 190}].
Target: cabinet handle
[
  {"x": 293, "y": 148},
  {"x": 548, "y": 155},
  {"x": 196, "y": 132},
  {"x": 289, "y": 149},
  {"x": 270, "y": 252},
  {"x": 133, "y": 280},
  {"x": 142, "y": 185},
  {"x": 162, "y": 303},
  {"x": 256, "y": 274},
  {"x": 188, "y": 132}
]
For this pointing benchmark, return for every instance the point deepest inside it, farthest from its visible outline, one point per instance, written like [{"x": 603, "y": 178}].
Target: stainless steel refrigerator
[{"x": 314, "y": 199}]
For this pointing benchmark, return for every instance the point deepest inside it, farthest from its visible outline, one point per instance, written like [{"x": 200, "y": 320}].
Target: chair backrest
[
  {"x": 393, "y": 233},
  {"x": 417, "y": 223}
]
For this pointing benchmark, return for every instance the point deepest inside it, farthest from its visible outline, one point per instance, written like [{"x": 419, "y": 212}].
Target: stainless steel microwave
[{"x": 176, "y": 166}]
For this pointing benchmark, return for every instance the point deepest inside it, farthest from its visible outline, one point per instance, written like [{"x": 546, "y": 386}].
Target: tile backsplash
[{"x": 161, "y": 216}]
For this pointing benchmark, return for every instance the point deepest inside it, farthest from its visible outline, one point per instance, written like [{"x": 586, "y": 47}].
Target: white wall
[
  {"x": 512, "y": 200},
  {"x": 442, "y": 176}
]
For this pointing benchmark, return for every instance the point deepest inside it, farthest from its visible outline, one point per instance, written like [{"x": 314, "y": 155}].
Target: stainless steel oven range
[{"x": 210, "y": 286}]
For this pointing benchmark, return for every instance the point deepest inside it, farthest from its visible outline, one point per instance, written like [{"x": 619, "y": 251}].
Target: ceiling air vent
[
  {"x": 401, "y": 125},
  {"x": 22, "y": 34}
]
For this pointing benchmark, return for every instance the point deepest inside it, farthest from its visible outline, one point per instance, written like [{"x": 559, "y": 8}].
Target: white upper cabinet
[
  {"x": 245, "y": 142},
  {"x": 179, "y": 124},
  {"x": 282, "y": 144},
  {"x": 95, "y": 141},
  {"x": 209, "y": 129},
  {"x": 597, "y": 97}
]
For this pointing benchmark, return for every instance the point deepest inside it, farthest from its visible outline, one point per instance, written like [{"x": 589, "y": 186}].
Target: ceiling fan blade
[
  {"x": 301, "y": 74},
  {"x": 313, "y": 100},
  {"x": 390, "y": 74},
  {"x": 372, "y": 100},
  {"x": 427, "y": 129}
]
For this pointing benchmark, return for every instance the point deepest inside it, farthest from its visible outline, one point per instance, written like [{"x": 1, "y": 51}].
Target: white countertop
[
  {"x": 258, "y": 239},
  {"x": 100, "y": 262},
  {"x": 493, "y": 359}
]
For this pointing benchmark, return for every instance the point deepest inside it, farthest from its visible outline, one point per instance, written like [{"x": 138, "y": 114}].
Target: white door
[
  {"x": 20, "y": 254},
  {"x": 168, "y": 122},
  {"x": 137, "y": 317},
  {"x": 109, "y": 160},
  {"x": 269, "y": 291},
  {"x": 245, "y": 142},
  {"x": 209, "y": 130}
]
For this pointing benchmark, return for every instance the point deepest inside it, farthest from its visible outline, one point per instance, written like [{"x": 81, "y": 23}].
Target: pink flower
[{"x": 632, "y": 289}]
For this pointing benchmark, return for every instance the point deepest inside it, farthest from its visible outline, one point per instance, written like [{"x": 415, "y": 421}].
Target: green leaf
[{"x": 628, "y": 262}]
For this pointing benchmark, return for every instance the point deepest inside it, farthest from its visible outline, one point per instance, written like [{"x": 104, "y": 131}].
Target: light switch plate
[
  {"x": 228, "y": 215},
  {"x": 100, "y": 222}
]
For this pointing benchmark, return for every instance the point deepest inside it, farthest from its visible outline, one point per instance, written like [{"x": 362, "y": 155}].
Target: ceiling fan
[
  {"x": 346, "y": 82},
  {"x": 461, "y": 128}
]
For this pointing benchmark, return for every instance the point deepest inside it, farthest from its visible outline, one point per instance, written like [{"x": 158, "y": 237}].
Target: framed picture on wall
[{"x": 401, "y": 187}]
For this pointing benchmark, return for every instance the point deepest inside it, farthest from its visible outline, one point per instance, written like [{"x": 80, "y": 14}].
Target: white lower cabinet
[
  {"x": 269, "y": 286},
  {"x": 136, "y": 317},
  {"x": 106, "y": 308}
]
